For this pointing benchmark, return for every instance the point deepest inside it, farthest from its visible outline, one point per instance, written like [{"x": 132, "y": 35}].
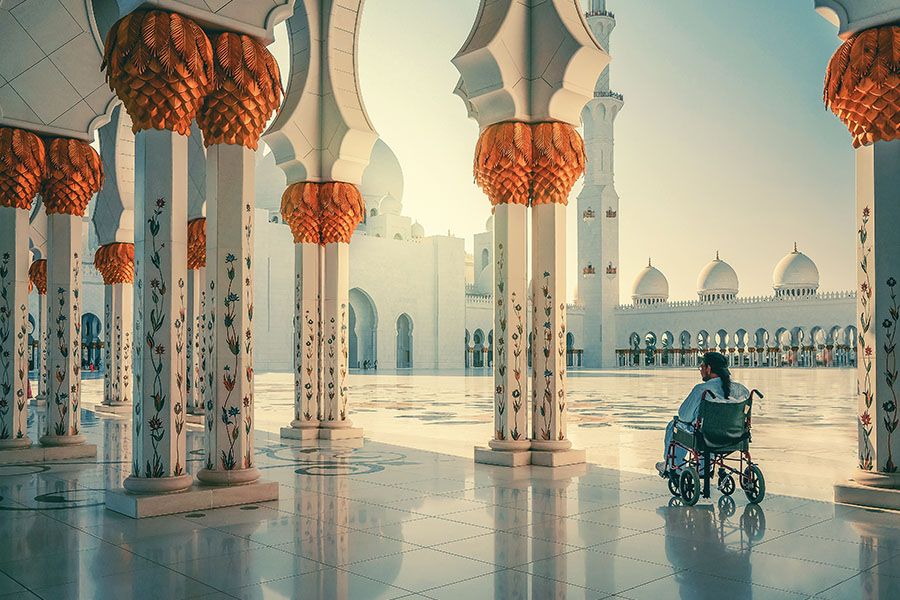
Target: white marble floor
[{"x": 388, "y": 521}]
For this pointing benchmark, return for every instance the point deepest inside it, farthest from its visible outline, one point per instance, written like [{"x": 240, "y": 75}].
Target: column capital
[
  {"x": 160, "y": 77},
  {"x": 247, "y": 91},
  {"x": 197, "y": 243},
  {"x": 862, "y": 88},
  {"x": 22, "y": 167},
  {"x": 37, "y": 275},
  {"x": 74, "y": 175},
  {"x": 115, "y": 262}
]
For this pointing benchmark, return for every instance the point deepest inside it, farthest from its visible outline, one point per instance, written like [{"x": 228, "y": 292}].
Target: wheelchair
[{"x": 718, "y": 444}]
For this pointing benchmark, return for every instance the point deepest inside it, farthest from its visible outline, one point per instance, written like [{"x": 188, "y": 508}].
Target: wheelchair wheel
[
  {"x": 674, "y": 484},
  {"x": 726, "y": 484},
  {"x": 690, "y": 486},
  {"x": 754, "y": 484}
]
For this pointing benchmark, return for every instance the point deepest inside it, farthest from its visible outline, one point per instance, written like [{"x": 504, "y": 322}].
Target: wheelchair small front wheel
[
  {"x": 690, "y": 486},
  {"x": 754, "y": 484},
  {"x": 674, "y": 484},
  {"x": 726, "y": 484}
]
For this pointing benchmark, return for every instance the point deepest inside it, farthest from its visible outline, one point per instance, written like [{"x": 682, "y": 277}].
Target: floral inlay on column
[
  {"x": 247, "y": 91},
  {"x": 22, "y": 168},
  {"x": 74, "y": 175}
]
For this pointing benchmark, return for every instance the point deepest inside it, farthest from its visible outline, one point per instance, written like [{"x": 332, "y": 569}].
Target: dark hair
[{"x": 718, "y": 364}]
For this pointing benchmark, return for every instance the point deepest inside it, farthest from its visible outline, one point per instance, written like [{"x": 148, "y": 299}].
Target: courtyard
[{"x": 387, "y": 518}]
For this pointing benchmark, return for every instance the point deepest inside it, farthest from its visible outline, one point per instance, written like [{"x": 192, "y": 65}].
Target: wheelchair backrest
[{"x": 724, "y": 423}]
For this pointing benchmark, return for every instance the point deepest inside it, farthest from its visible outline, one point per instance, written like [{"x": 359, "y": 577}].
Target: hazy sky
[{"x": 723, "y": 143}]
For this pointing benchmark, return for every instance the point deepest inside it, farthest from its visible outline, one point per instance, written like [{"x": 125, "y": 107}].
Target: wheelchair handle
[{"x": 757, "y": 392}]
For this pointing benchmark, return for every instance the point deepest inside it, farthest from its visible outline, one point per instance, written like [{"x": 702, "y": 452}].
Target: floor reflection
[{"x": 374, "y": 520}]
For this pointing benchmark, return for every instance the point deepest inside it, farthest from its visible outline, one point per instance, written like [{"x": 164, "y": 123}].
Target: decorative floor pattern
[{"x": 383, "y": 521}]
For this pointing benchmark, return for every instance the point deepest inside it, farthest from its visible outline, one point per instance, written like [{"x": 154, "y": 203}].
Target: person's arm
[{"x": 690, "y": 408}]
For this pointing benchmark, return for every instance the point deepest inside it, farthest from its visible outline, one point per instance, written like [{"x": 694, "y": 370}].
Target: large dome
[
  {"x": 650, "y": 286},
  {"x": 795, "y": 275},
  {"x": 717, "y": 281},
  {"x": 384, "y": 176}
]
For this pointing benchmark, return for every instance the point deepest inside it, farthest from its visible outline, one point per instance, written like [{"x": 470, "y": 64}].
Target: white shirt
[{"x": 690, "y": 408}]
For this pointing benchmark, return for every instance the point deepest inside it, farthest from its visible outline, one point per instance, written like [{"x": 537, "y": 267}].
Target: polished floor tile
[
  {"x": 381, "y": 521},
  {"x": 422, "y": 569}
]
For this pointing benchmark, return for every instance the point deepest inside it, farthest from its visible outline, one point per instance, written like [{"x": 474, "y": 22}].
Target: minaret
[{"x": 598, "y": 210}]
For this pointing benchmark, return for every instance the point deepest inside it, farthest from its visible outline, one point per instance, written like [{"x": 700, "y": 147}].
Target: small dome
[
  {"x": 489, "y": 224},
  {"x": 795, "y": 274},
  {"x": 650, "y": 286},
  {"x": 717, "y": 281},
  {"x": 417, "y": 230},
  {"x": 390, "y": 206}
]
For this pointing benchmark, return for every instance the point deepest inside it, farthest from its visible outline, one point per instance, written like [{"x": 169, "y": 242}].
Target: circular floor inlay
[
  {"x": 18, "y": 470},
  {"x": 335, "y": 469},
  {"x": 249, "y": 508},
  {"x": 195, "y": 515}
]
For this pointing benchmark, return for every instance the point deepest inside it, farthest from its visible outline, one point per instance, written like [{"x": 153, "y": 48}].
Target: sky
[{"x": 723, "y": 144}]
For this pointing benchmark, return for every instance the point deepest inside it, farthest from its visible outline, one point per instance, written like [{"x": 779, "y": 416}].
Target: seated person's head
[{"x": 712, "y": 365}]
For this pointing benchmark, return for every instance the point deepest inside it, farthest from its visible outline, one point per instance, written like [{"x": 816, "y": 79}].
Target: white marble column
[
  {"x": 14, "y": 263},
  {"x": 510, "y": 335},
  {"x": 230, "y": 171},
  {"x": 548, "y": 322},
  {"x": 195, "y": 382},
  {"x": 878, "y": 307},
  {"x": 41, "y": 392},
  {"x": 159, "y": 453},
  {"x": 335, "y": 338},
  {"x": 307, "y": 342},
  {"x": 64, "y": 248},
  {"x": 117, "y": 390}
]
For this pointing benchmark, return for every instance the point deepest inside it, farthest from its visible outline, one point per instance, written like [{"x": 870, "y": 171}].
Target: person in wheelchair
[{"x": 716, "y": 380}]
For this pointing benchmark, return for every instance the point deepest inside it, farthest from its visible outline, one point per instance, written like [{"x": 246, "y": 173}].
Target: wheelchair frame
[{"x": 720, "y": 463}]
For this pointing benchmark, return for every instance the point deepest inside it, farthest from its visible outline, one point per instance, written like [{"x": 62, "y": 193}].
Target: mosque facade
[{"x": 422, "y": 302}]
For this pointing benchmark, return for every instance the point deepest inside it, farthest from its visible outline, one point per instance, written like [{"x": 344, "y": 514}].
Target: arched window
[{"x": 485, "y": 258}]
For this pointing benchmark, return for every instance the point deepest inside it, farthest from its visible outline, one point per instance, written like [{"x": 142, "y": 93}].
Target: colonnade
[
  {"x": 837, "y": 355},
  {"x": 66, "y": 172}
]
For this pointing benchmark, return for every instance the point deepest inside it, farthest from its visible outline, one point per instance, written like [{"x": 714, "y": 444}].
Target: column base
[
  {"x": 226, "y": 478},
  {"x": 297, "y": 433},
  {"x": 502, "y": 458},
  {"x": 870, "y": 490},
  {"x": 551, "y": 445},
  {"x": 62, "y": 440},
  {"x": 197, "y": 411},
  {"x": 346, "y": 423},
  {"x": 157, "y": 485},
  {"x": 196, "y": 497},
  {"x": 114, "y": 409},
  {"x": 39, "y": 454},
  {"x": 558, "y": 458},
  {"x": 15, "y": 444},
  {"x": 509, "y": 445},
  {"x": 342, "y": 433}
]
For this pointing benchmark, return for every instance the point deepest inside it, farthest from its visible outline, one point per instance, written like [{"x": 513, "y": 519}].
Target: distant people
[
  {"x": 30, "y": 395},
  {"x": 365, "y": 365},
  {"x": 375, "y": 365},
  {"x": 716, "y": 379}
]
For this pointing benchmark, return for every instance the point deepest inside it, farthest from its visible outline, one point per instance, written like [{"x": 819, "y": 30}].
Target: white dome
[
  {"x": 383, "y": 176},
  {"x": 717, "y": 278},
  {"x": 417, "y": 230},
  {"x": 489, "y": 224},
  {"x": 389, "y": 206},
  {"x": 796, "y": 271},
  {"x": 650, "y": 285}
]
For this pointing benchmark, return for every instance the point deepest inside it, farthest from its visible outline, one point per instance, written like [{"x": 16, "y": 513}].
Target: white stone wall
[{"x": 824, "y": 311}]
